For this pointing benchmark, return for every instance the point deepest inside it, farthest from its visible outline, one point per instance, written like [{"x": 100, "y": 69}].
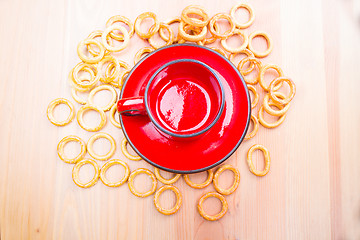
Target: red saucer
[{"x": 201, "y": 153}]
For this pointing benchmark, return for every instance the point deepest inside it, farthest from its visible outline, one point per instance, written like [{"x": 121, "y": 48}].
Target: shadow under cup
[{"x": 184, "y": 98}]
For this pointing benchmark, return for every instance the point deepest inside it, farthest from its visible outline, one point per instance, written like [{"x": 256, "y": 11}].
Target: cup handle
[{"x": 133, "y": 106}]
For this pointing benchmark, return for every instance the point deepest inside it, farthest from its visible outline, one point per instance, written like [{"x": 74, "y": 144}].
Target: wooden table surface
[{"x": 311, "y": 192}]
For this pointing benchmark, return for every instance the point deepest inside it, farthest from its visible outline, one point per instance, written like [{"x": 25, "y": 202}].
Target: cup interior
[{"x": 184, "y": 98}]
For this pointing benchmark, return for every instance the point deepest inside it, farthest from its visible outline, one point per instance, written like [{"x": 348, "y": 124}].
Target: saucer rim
[{"x": 230, "y": 152}]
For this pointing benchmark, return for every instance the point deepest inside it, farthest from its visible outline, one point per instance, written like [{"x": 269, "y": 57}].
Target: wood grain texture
[{"x": 311, "y": 192}]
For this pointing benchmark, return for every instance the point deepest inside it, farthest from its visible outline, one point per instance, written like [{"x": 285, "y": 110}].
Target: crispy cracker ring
[
  {"x": 112, "y": 113},
  {"x": 101, "y": 88},
  {"x": 110, "y": 70},
  {"x": 200, "y": 185},
  {"x": 164, "y": 180},
  {"x": 122, "y": 77},
  {"x": 211, "y": 39},
  {"x": 248, "y": 53},
  {"x": 274, "y": 124},
  {"x": 77, "y": 87},
  {"x": 122, "y": 19},
  {"x": 76, "y": 169},
  {"x": 124, "y": 150},
  {"x": 116, "y": 82},
  {"x": 168, "y": 42},
  {"x": 106, "y": 166},
  {"x": 192, "y": 38},
  {"x": 255, "y": 101},
  {"x": 251, "y": 164},
  {"x": 177, "y": 204},
  {"x": 79, "y": 82},
  {"x": 115, "y": 73},
  {"x": 172, "y": 21},
  {"x": 76, "y": 97},
  {"x": 95, "y": 58},
  {"x": 152, "y": 30},
  {"x": 91, "y": 151},
  {"x": 256, "y": 62},
  {"x": 236, "y": 179},
  {"x": 110, "y": 29},
  {"x": 251, "y": 13},
  {"x": 238, "y": 49},
  {"x": 64, "y": 141},
  {"x": 268, "y": 41},
  {"x": 50, "y": 111},
  {"x": 255, "y": 129},
  {"x": 262, "y": 76},
  {"x": 97, "y": 34},
  {"x": 271, "y": 111},
  {"x": 273, "y": 85},
  {"x": 217, "y": 216},
  {"x": 141, "y": 53},
  {"x": 93, "y": 35},
  {"x": 80, "y": 119},
  {"x": 198, "y": 11},
  {"x": 218, "y": 34},
  {"x": 219, "y": 50},
  {"x": 131, "y": 182}
]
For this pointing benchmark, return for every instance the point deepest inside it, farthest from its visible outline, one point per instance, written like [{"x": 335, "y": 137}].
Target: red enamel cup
[
  {"x": 183, "y": 99},
  {"x": 184, "y": 108}
]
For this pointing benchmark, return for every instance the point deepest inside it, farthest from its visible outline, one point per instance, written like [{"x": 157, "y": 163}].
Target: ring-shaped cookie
[
  {"x": 266, "y": 157},
  {"x": 272, "y": 90},
  {"x": 273, "y": 124},
  {"x": 124, "y": 150},
  {"x": 251, "y": 15},
  {"x": 227, "y": 33},
  {"x": 268, "y": 41},
  {"x": 115, "y": 73},
  {"x": 79, "y": 82},
  {"x": 235, "y": 183},
  {"x": 196, "y": 10},
  {"x": 263, "y": 69},
  {"x": 76, "y": 169},
  {"x": 248, "y": 53},
  {"x": 162, "y": 33},
  {"x": 64, "y": 141},
  {"x": 177, "y": 204},
  {"x": 112, "y": 113},
  {"x": 188, "y": 37},
  {"x": 94, "y": 58},
  {"x": 255, "y": 101},
  {"x": 274, "y": 112},
  {"x": 107, "y": 165},
  {"x": 170, "y": 38},
  {"x": 101, "y": 88},
  {"x": 131, "y": 182},
  {"x": 256, "y": 62},
  {"x": 152, "y": 30},
  {"x": 255, "y": 128},
  {"x": 164, "y": 180},
  {"x": 91, "y": 151},
  {"x": 217, "y": 216},
  {"x": 122, "y": 19},
  {"x": 50, "y": 111},
  {"x": 237, "y": 49},
  {"x": 200, "y": 185},
  {"x": 81, "y": 122},
  {"x": 125, "y": 35}
]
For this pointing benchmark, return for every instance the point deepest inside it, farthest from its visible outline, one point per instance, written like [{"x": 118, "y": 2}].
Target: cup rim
[{"x": 153, "y": 120}]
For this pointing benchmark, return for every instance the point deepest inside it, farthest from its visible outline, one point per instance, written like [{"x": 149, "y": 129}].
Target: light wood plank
[{"x": 311, "y": 191}]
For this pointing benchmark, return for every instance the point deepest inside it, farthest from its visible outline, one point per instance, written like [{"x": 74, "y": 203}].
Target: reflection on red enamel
[{"x": 183, "y": 105}]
